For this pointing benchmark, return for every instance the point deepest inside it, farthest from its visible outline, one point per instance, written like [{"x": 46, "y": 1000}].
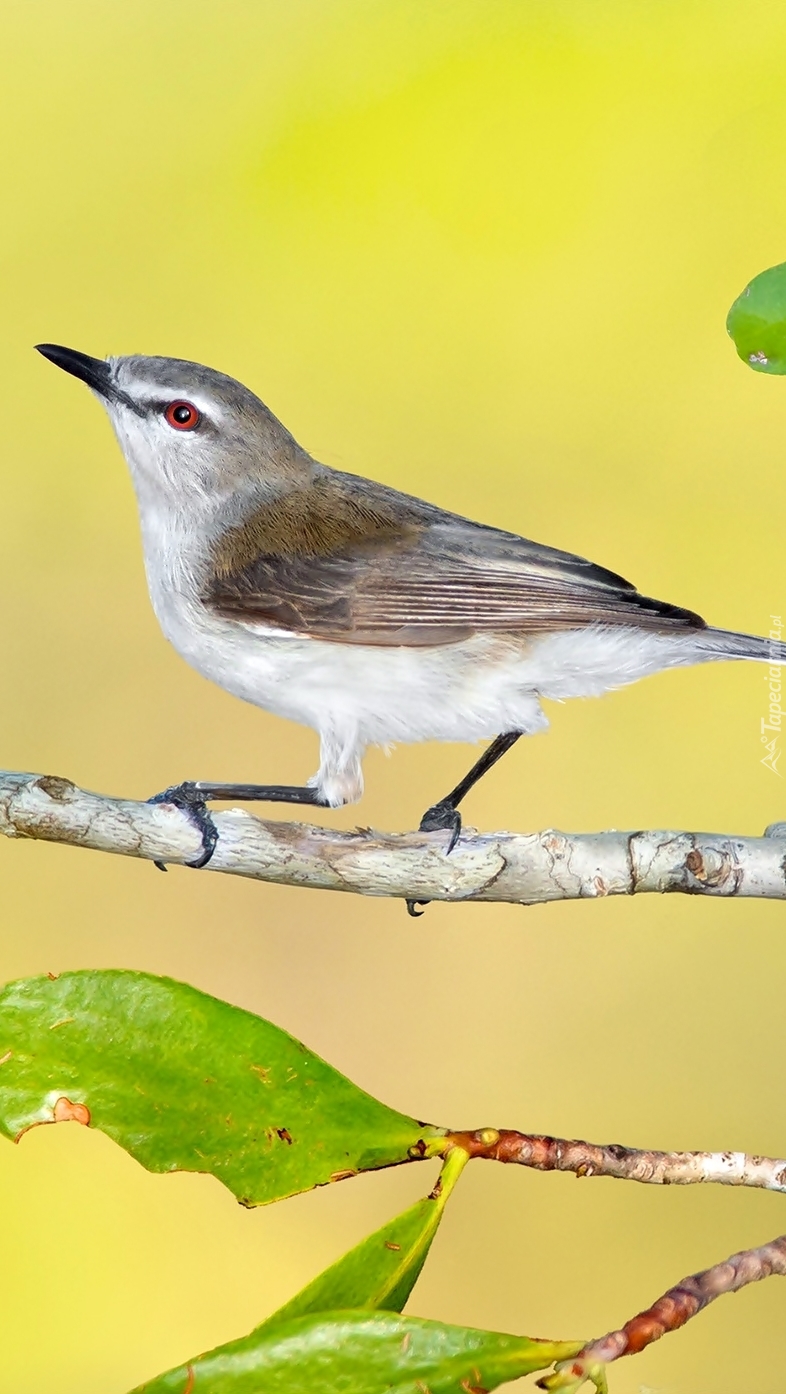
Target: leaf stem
[{"x": 455, "y": 1159}]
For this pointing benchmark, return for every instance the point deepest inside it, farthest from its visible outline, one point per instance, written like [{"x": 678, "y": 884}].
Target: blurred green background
[{"x": 482, "y": 250}]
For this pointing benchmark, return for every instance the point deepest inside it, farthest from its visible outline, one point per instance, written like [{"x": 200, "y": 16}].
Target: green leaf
[
  {"x": 185, "y": 1082},
  {"x": 362, "y": 1353},
  {"x": 382, "y": 1270},
  {"x": 757, "y": 321}
]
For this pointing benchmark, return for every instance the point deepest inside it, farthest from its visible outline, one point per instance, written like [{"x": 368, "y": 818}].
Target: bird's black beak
[{"x": 94, "y": 371}]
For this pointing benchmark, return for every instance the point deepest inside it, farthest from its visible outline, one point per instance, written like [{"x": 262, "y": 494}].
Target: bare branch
[
  {"x": 671, "y": 1311},
  {"x": 521, "y": 868},
  {"x": 623, "y": 1163}
]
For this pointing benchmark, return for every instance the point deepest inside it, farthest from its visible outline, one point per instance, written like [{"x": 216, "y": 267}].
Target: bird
[{"x": 368, "y": 614}]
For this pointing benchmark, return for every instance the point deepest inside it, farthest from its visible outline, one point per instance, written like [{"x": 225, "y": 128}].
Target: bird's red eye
[{"x": 182, "y": 415}]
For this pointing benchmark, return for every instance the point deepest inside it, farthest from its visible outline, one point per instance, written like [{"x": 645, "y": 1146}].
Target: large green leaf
[
  {"x": 381, "y": 1270},
  {"x": 185, "y": 1082},
  {"x": 362, "y": 1353},
  {"x": 757, "y": 321}
]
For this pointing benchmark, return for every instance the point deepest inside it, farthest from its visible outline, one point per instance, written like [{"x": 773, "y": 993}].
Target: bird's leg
[
  {"x": 445, "y": 814},
  {"x": 193, "y": 797}
]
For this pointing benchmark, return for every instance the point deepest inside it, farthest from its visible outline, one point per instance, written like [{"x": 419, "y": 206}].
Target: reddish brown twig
[
  {"x": 625, "y": 1163},
  {"x": 671, "y": 1311}
]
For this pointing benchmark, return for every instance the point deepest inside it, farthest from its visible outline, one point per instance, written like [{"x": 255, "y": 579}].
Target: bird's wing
[{"x": 371, "y": 566}]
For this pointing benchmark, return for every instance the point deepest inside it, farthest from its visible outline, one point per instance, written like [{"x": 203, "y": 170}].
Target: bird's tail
[{"x": 725, "y": 643}]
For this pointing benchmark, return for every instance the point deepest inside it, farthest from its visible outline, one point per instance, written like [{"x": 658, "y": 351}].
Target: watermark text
[{"x": 772, "y": 723}]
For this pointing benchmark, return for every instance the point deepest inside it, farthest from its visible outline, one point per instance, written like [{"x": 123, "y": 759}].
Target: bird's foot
[
  {"x": 188, "y": 797},
  {"x": 441, "y": 816}
]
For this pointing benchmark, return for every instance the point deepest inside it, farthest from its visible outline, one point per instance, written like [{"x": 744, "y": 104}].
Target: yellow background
[{"x": 483, "y": 252}]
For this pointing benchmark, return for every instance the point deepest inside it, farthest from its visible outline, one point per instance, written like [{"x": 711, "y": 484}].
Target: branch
[
  {"x": 671, "y": 1311},
  {"x": 687, "y": 1298},
  {"x": 521, "y": 868},
  {"x": 623, "y": 1163}
]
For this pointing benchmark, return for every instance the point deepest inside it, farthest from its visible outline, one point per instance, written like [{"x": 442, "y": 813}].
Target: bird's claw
[
  {"x": 187, "y": 797},
  {"x": 442, "y": 816}
]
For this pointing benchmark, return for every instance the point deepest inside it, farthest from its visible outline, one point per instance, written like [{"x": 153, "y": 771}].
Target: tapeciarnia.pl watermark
[{"x": 772, "y": 723}]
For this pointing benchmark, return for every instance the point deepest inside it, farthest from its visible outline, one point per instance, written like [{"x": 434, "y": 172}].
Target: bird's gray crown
[{"x": 147, "y": 378}]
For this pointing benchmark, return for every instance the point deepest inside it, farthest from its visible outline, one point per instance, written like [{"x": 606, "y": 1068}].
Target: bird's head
[{"x": 186, "y": 431}]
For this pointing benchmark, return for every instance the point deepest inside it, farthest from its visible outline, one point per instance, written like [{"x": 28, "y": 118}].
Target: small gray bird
[{"x": 372, "y": 616}]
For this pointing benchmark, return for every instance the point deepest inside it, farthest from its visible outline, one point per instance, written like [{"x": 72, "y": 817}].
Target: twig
[
  {"x": 521, "y": 868},
  {"x": 687, "y": 1298},
  {"x": 623, "y": 1163},
  {"x": 671, "y": 1311}
]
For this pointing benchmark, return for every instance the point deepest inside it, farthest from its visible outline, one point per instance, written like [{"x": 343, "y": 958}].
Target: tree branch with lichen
[{"x": 519, "y": 868}]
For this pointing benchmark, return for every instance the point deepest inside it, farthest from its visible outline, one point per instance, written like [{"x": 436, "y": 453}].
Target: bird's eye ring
[{"x": 182, "y": 415}]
